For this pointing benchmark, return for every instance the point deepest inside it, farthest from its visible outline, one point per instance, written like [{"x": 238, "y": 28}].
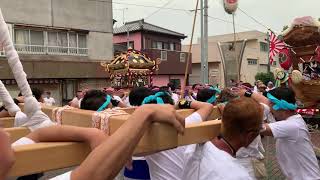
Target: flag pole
[{"x": 269, "y": 65}]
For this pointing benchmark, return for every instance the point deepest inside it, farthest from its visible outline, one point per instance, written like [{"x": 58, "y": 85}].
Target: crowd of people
[
  {"x": 236, "y": 154},
  {"x": 247, "y": 113}
]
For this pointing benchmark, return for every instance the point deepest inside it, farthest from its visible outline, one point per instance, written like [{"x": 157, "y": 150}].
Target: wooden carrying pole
[
  {"x": 83, "y": 118},
  {"x": 51, "y": 156}
]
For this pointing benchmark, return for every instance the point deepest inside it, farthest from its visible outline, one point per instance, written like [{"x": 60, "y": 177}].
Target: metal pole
[
  {"x": 205, "y": 43},
  {"x": 128, "y": 43},
  {"x": 202, "y": 75},
  {"x": 269, "y": 65}
]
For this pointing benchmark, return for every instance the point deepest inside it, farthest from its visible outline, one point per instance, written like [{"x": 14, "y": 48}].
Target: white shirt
[
  {"x": 207, "y": 162},
  {"x": 49, "y": 101},
  {"x": 117, "y": 98},
  {"x": 168, "y": 165},
  {"x": 175, "y": 98},
  {"x": 294, "y": 149},
  {"x": 65, "y": 176}
]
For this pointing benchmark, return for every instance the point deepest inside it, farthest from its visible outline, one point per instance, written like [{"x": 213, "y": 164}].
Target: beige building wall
[
  {"x": 214, "y": 61},
  {"x": 216, "y": 72}
]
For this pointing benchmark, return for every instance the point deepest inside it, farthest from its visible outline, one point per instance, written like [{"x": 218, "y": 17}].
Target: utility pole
[
  {"x": 205, "y": 48},
  {"x": 269, "y": 65},
  {"x": 202, "y": 79},
  {"x": 204, "y": 41}
]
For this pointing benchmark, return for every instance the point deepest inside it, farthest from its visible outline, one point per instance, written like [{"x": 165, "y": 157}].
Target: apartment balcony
[
  {"x": 49, "y": 50},
  {"x": 172, "y": 62}
]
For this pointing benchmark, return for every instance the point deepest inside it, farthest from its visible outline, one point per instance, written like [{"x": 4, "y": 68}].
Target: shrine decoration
[
  {"x": 131, "y": 69},
  {"x": 303, "y": 40},
  {"x": 285, "y": 58}
]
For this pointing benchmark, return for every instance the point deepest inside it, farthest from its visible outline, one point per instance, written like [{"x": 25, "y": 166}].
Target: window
[
  {"x": 264, "y": 47},
  {"x": 159, "y": 45},
  {"x": 175, "y": 82},
  {"x": 164, "y": 55},
  {"x": 182, "y": 57},
  {"x": 166, "y": 46},
  {"x": 252, "y": 61},
  {"x": 154, "y": 45},
  {"x": 31, "y": 41},
  {"x": 27, "y": 40},
  {"x": 172, "y": 46}
]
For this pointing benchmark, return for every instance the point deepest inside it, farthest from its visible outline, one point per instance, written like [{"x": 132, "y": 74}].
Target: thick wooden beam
[
  {"x": 7, "y": 122},
  {"x": 46, "y": 109},
  {"x": 43, "y": 157},
  {"x": 50, "y": 156},
  {"x": 83, "y": 118},
  {"x": 17, "y": 133}
]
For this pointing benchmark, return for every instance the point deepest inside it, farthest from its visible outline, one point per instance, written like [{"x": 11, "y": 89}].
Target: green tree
[
  {"x": 285, "y": 27},
  {"x": 265, "y": 77}
]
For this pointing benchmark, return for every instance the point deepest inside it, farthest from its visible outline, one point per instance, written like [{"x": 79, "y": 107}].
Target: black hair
[
  {"x": 167, "y": 99},
  {"x": 93, "y": 99},
  {"x": 284, "y": 93},
  {"x": 138, "y": 94},
  {"x": 37, "y": 93},
  {"x": 194, "y": 86},
  {"x": 164, "y": 88},
  {"x": 204, "y": 94},
  {"x": 171, "y": 86},
  {"x": 16, "y": 101}
]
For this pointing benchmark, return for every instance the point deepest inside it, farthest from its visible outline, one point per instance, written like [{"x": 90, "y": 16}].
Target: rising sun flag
[{"x": 275, "y": 45}]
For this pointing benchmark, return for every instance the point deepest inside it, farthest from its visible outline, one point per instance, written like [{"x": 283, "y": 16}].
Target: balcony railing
[{"x": 51, "y": 50}]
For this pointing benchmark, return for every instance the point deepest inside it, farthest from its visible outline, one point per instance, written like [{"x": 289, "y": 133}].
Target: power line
[
  {"x": 254, "y": 19},
  {"x": 140, "y": 5},
  {"x": 166, "y": 4},
  {"x": 230, "y": 22}
]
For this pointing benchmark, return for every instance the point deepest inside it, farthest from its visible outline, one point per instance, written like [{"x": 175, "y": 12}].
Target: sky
[{"x": 273, "y": 14}]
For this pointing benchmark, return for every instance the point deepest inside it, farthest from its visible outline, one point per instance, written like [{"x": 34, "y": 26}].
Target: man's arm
[
  {"x": 202, "y": 108},
  {"x": 256, "y": 96},
  {"x": 105, "y": 161},
  {"x": 92, "y": 136},
  {"x": 267, "y": 130},
  {"x": 7, "y": 158}
]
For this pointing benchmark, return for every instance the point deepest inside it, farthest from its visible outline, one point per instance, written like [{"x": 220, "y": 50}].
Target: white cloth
[
  {"x": 65, "y": 176},
  {"x": 168, "y": 164},
  {"x": 117, "y": 98},
  {"x": 248, "y": 165},
  {"x": 207, "y": 162},
  {"x": 7, "y": 100},
  {"x": 23, "y": 141},
  {"x": 49, "y": 101},
  {"x": 175, "y": 98},
  {"x": 75, "y": 102},
  {"x": 189, "y": 98},
  {"x": 254, "y": 150},
  {"x": 32, "y": 107},
  {"x": 267, "y": 115},
  {"x": 294, "y": 149},
  {"x": 13, "y": 58},
  {"x": 20, "y": 118}
]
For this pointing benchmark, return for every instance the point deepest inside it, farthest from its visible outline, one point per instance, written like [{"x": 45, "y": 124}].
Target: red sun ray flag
[{"x": 275, "y": 45}]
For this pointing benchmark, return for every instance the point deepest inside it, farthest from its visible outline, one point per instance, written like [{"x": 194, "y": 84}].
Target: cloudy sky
[{"x": 175, "y": 14}]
